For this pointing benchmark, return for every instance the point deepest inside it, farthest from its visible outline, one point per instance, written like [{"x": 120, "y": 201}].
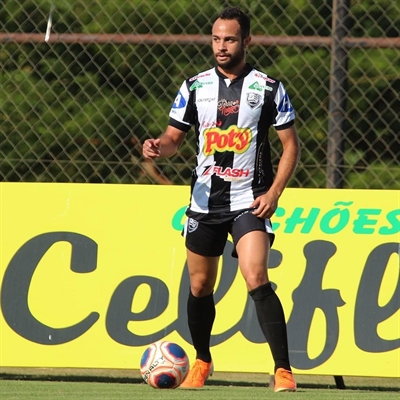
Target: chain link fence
[{"x": 83, "y": 83}]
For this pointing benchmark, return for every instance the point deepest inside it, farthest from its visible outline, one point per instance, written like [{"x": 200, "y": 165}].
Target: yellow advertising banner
[{"x": 90, "y": 275}]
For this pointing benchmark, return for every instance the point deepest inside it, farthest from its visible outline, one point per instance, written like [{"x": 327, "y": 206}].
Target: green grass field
[
  {"x": 26, "y": 390},
  {"x": 48, "y": 384}
]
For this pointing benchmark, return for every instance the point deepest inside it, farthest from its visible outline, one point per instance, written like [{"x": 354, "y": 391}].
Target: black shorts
[{"x": 209, "y": 239}]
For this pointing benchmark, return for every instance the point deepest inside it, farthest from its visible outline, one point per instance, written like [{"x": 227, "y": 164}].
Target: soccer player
[{"x": 233, "y": 189}]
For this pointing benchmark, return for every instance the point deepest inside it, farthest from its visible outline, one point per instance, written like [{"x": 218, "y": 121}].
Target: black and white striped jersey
[{"x": 231, "y": 120}]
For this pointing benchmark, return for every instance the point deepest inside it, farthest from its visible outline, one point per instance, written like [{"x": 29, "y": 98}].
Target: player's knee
[
  {"x": 200, "y": 291},
  {"x": 201, "y": 287},
  {"x": 255, "y": 280}
]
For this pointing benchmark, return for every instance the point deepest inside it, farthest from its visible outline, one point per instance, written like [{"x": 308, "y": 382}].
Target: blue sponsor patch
[
  {"x": 285, "y": 105},
  {"x": 179, "y": 102}
]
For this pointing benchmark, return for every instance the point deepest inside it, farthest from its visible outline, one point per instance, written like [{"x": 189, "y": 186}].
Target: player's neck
[{"x": 234, "y": 72}]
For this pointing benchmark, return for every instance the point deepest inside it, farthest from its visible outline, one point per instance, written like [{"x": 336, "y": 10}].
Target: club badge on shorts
[{"x": 192, "y": 225}]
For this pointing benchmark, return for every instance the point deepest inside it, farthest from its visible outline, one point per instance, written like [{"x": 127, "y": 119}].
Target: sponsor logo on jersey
[
  {"x": 232, "y": 139},
  {"x": 205, "y": 100},
  {"x": 260, "y": 88},
  {"x": 265, "y": 77},
  {"x": 180, "y": 101},
  {"x": 256, "y": 86},
  {"x": 199, "y": 76},
  {"x": 253, "y": 99},
  {"x": 227, "y": 174},
  {"x": 197, "y": 85},
  {"x": 227, "y": 107},
  {"x": 211, "y": 124},
  {"x": 285, "y": 105}
]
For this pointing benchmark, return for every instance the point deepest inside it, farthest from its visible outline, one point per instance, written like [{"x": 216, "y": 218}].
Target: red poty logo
[{"x": 232, "y": 139}]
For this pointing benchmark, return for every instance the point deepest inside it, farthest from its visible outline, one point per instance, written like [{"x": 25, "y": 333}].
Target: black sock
[
  {"x": 272, "y": 322},
  {"x": 201, "y": 315}
]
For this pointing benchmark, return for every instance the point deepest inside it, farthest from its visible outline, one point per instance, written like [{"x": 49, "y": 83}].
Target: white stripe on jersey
[{"x": 242, "y": 198}]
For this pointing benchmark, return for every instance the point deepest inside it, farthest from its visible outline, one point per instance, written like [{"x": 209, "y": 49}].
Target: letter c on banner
[{"x": 17, "y": 279}]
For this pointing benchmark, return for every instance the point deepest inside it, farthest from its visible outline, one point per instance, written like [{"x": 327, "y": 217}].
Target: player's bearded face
[
  {"x": 230, "y": 59},
  {"x": 228, "y": 46}
]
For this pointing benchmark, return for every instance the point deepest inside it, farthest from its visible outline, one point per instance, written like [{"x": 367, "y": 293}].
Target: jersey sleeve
[
  {"x": 182, "y": 113},
  {"x": 285, "y": 113}
]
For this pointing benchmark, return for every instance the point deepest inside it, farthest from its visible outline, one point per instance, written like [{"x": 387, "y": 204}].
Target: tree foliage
[{"x": 64, "y": 105}]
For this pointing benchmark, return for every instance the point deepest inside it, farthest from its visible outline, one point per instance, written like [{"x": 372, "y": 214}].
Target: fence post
[{"x": 338, "y": 93}]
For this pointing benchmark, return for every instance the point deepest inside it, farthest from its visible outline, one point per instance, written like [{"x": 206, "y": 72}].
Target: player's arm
[
  {"x": 267, "y": 203},
  {"x": 166, "y": 145}
]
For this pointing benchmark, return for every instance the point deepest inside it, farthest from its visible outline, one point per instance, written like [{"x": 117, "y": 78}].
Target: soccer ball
[{"x": 164, "y": 365}]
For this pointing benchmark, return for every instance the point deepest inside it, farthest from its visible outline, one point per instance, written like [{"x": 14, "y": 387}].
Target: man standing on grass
[{"x": 233, "y": 190}]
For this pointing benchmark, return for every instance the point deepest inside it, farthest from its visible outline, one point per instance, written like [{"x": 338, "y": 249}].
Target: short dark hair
[{"x": 236, "y": 13}]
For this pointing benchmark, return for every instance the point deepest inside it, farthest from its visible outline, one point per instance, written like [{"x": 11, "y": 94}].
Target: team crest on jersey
[{"x": 253, "y": 100}]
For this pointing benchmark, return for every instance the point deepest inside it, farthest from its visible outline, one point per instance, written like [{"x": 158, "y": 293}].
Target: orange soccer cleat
[
  {"x": 284, "y": 381},
  {"x": 198, "y": 374}
]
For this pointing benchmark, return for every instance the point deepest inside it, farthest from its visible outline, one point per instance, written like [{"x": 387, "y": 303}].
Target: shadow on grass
[{"x": 211, "y": 382}]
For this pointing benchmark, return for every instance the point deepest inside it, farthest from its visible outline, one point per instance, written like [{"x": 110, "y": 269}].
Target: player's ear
[{"x": 247, "y": 41}]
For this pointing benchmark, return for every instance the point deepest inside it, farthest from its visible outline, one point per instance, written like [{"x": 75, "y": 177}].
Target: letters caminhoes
[{"x": 67, "y": 283}]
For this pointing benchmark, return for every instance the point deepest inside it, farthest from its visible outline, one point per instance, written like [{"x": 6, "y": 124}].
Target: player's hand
[
  {"x": 151, "y": 148},
  {"x": 265, "y": 205}
]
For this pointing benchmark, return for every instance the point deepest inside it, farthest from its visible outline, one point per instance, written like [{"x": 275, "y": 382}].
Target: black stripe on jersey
[
  {"x": 228, "y": 109},
  {"x": 263, "y": 172},
  {"x": 191, "y": 109}
]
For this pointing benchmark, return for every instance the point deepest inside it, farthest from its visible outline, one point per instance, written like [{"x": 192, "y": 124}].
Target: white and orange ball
[{"x": 164, "y": 365}]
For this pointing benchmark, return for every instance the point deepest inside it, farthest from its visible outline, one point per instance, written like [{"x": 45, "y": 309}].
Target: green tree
[{"x": 78, "y": 112}]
